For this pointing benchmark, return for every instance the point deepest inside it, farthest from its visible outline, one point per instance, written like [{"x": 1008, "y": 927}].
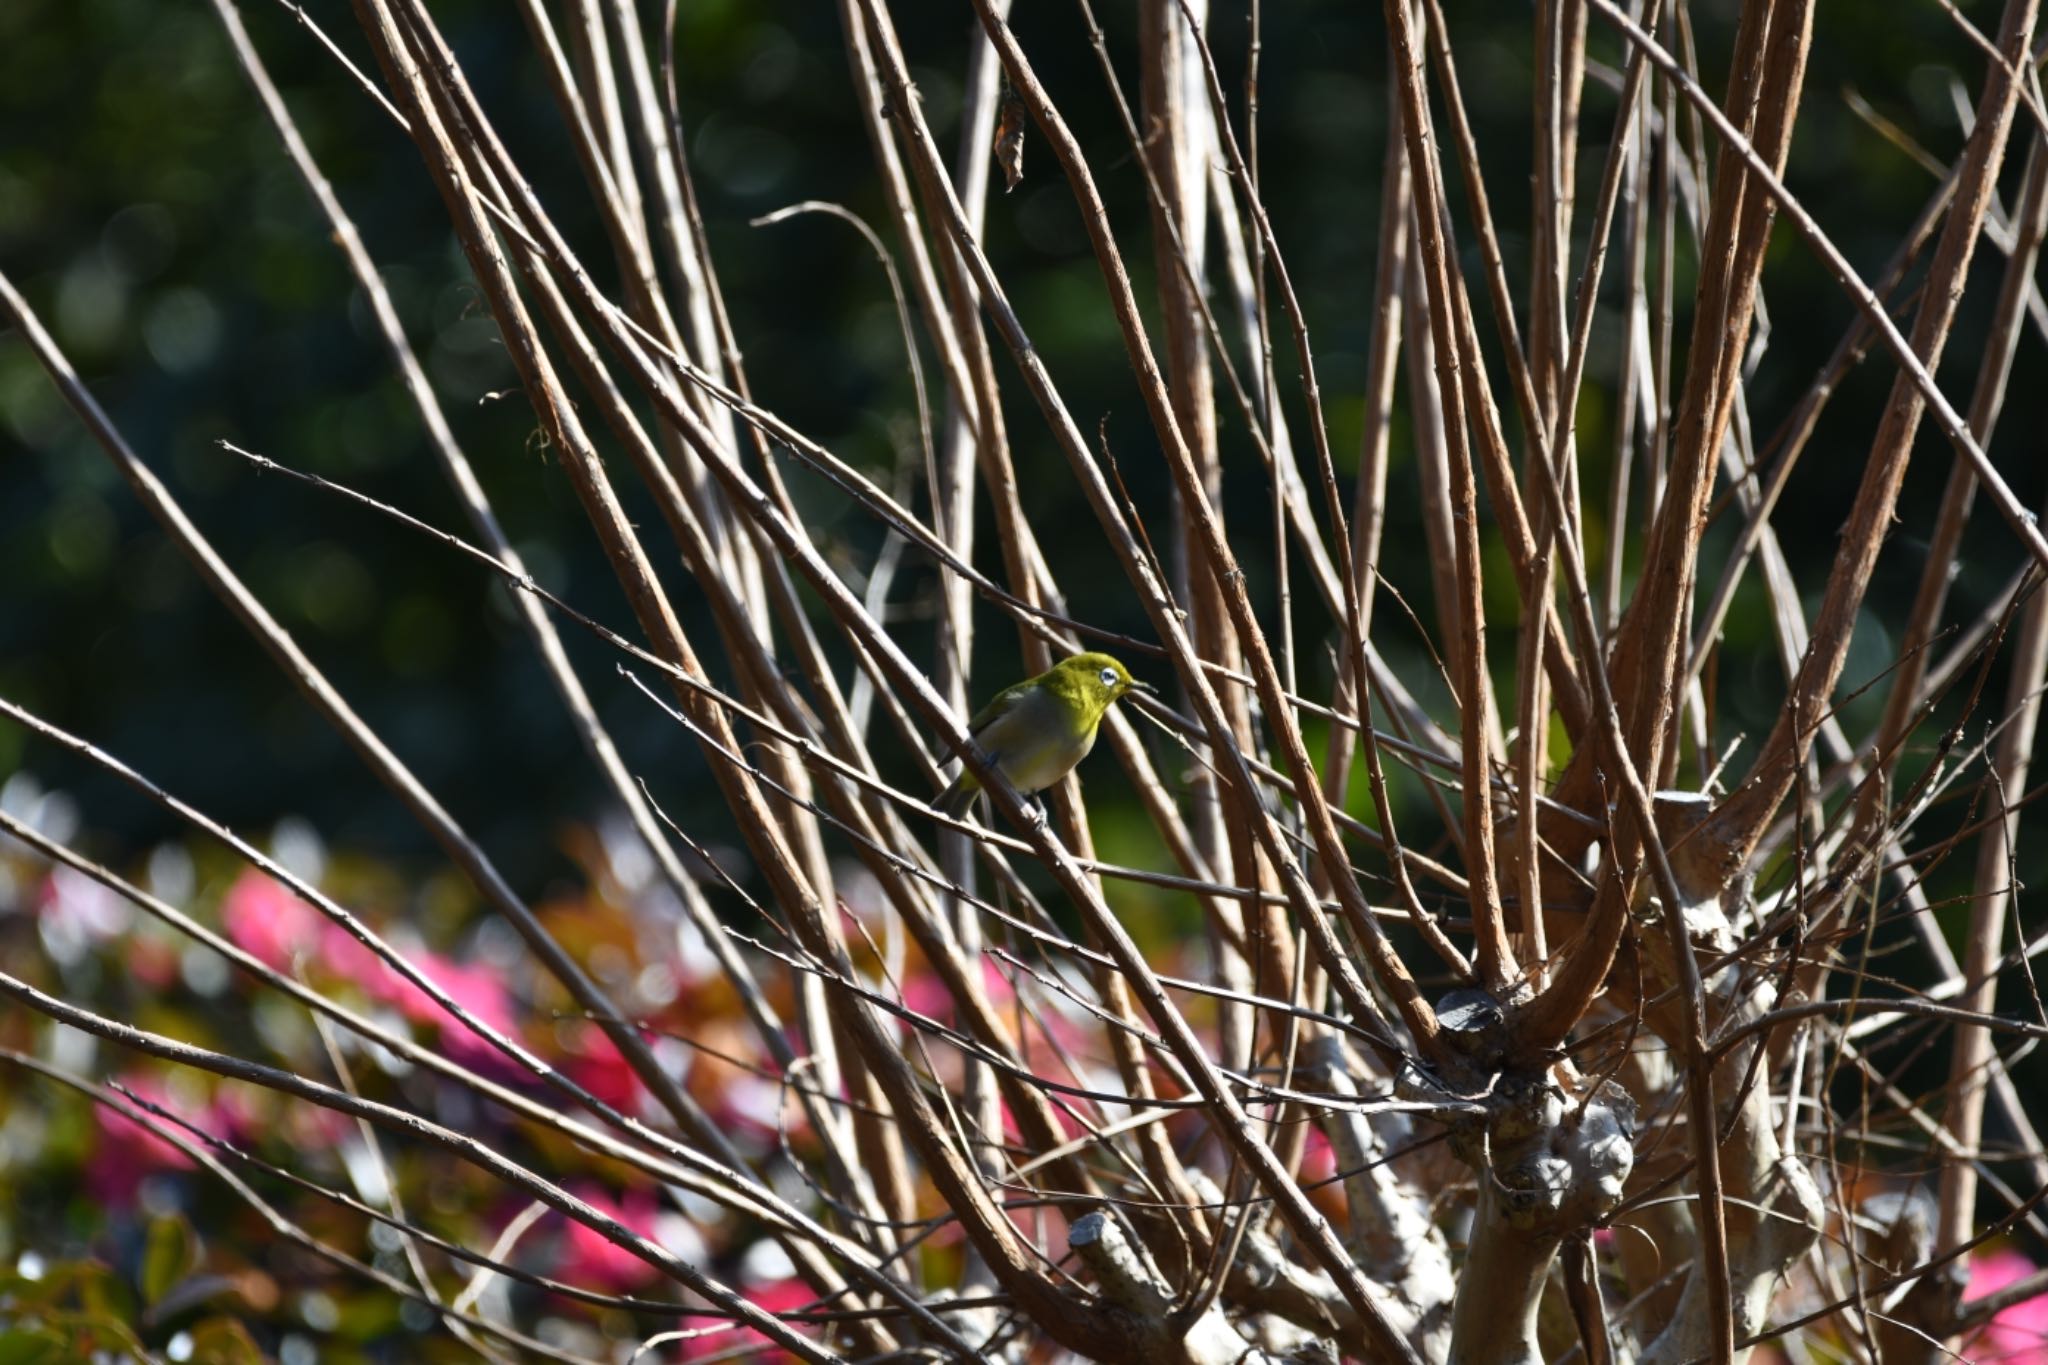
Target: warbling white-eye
[{"x": 1036, "y": 731}]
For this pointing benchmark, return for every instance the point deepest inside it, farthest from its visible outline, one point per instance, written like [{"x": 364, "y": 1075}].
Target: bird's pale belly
[
  {"x": 1035, "y": 745},
  {"x": 1045, "y": 763}
]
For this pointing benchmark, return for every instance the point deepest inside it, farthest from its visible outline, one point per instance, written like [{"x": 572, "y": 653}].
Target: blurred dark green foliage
[{"x": 147, "y": 210}]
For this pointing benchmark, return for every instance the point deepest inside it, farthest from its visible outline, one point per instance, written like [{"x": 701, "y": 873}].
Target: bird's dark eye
[{"x": 1108, "y": 677}]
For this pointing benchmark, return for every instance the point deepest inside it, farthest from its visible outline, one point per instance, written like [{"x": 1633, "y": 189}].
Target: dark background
[{"x": 148, "y": 212}]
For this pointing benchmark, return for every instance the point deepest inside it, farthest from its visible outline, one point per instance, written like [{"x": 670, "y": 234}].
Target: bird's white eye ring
[{"x": 1107, "y": 677}]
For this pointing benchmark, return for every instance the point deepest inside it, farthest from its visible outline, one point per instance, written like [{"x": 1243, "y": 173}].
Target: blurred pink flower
[
  {"x": 473, "y": 986},
  {"x": 925, "y": 993},
  {"x": 133, "y": 1144},
  {"x": 588, "y": 1259},
  {"x": 269, "y": 922},
  {"x": 778, "y": 1296},
  {"x": 2019, "y": 1335},
  {"x": 594, "y": 1062},
  {"x": 266, "y": 919},
  {"x": 1318, "y": 1158},
  {"x": 127, "y": 1153},
  {"x": 345, "y": 957}
]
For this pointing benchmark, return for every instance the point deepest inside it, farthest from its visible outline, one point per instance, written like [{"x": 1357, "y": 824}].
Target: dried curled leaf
[{"x": 1009, "y": 144}]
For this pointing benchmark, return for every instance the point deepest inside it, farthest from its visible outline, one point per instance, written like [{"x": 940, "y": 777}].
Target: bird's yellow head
[{"x": 1090, "y": 682}]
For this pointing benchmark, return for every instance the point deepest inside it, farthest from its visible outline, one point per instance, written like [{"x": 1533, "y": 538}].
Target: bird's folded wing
[{"x": 997, "y": 708}]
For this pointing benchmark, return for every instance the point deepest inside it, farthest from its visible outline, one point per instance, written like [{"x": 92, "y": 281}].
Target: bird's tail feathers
[{"x": 958, "y": 795}]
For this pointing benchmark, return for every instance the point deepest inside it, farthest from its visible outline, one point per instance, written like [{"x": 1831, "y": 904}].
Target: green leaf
[
  {"x": 224, "y": 1341},
  {"x": 172, "y": 1253},
  {"x": 30, "y": 1346},
  {"x": 1560, "y": 744},
  {"x": 92, "y": 1286},
  {"x": 90, "y": 1332}
]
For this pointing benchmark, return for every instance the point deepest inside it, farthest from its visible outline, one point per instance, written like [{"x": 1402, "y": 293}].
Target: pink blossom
[
  {"x": 345, "y": 957},
  {"x": 588, "y": 1259},
  {"x": 594, "y": 1062},
  {"x": 134, "y": 1144},
  {"x": 1318, "y": 1158},
  {"x": 473, "y": 986},
  {"x": 2019, "y": 1334},
  {"x": 269, "y": 920},
  {"x": 925, "y": 993},
  {"x": 127, "y": 1152},
  {"x": 266, "y": 920},
  {"x": 777, "y": 1296}
]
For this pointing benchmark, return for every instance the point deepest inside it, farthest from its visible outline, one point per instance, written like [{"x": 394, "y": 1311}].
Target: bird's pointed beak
[{"x": 1140, "y": 685}]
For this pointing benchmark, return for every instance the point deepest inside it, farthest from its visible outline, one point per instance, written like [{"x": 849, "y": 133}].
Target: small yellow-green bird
[{"x": 1038, "y": 730}]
